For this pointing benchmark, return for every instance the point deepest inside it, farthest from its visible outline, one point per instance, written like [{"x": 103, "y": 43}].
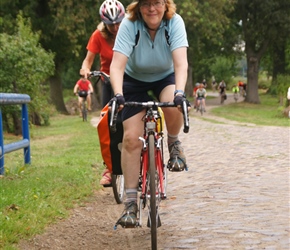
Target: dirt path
[{"x": 234, "y": 196}]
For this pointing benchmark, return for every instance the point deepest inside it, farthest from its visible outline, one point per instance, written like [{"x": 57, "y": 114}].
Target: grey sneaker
[
  {"x": 129, "y": 218},
  {"x": 177, "y": 161}
]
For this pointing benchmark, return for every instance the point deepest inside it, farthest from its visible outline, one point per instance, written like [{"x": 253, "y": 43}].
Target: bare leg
[
  {"x": 173, "y": 117},
  {"x": 89, "y": 100},
  {"x": 131, "y": 148}
]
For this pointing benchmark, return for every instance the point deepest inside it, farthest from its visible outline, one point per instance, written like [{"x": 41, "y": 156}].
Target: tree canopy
[{"x": 215, "y": 29}]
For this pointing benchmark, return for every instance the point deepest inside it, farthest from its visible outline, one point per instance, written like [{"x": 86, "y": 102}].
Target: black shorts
[{"x": 137, "y": 91}]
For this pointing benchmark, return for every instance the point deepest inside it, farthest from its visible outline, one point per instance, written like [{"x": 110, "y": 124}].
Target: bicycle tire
[
  {"x": 152, "y": 186},
  {"x": 222, "y": 99},
  {"x": 84, "y": 111},
  {"x": 118, "y": 188},
  {"x": 201, "y": 108}
]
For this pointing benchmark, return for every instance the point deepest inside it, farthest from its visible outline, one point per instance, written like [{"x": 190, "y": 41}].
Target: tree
[
  {"x": 262, "y": 22},
  {"x": 25, "y": 66},
  {"x": 222, "y": 69},
  {"x": 207, "y": 24},
  {"x": 65, "y": 25}
]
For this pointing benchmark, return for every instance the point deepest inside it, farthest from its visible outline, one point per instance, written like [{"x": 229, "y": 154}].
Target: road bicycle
[
  {"x": 223, "y": 97},
  {"x": 153, "y": 170},
  {"x": 117, "y": 182},
  {"x": 236, "y": 96},
  {"x": 200, "y": 107},
  {"x": 84, "y": 110},
  {"x": 242, "y": 91}
]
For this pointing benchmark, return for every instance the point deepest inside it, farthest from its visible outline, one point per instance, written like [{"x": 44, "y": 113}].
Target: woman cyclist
[
  {"x": 152, "y": 64},
  {"x": 102, "y": 42},
  {"x": 200, "y": 96}
]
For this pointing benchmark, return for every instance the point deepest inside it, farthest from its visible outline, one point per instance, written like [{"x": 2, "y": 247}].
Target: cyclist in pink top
[{"x": 102, "y": 42}]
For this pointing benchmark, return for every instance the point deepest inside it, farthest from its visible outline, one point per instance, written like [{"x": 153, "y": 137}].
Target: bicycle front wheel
[
  {"x": 222, "y": 99},
  {"x": 84, "y": 111},
  {"x": 118, "y": 187},
  {"x": 201, "y": 109},
  {"x": 153, "y": 216}
]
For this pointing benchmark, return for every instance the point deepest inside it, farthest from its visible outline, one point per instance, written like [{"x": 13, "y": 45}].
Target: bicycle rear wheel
[
  {"x": 152, "y": 185},
  {"x": 118, "y": 187}
]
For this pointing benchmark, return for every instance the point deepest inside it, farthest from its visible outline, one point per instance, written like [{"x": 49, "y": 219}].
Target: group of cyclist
[{"x": 151, "y": 63}]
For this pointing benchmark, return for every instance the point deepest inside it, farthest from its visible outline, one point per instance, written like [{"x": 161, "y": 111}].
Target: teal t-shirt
[
  {"x": 150, "y": 60},
  {"x": 201, "y": 92}
]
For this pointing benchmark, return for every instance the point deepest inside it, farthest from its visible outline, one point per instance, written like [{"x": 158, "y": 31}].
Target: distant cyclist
[
  {"x": 213, "y": 85},
  {"x": 236, "y": 91},
  {"x": 200, "y": 96},
  {"x": 204, "y": 83},
  {"x": 83, "y": 89},
  {"x": 222, "y": 90},
  {"x": 241, "y": 88},
  {"x": 194, "y": 93}
]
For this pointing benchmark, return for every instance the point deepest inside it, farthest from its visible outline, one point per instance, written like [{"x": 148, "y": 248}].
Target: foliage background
[{"x": 220, "y": 34}]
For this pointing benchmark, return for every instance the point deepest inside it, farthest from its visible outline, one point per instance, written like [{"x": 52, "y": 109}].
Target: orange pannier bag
[{"x": 110, "y": 143}]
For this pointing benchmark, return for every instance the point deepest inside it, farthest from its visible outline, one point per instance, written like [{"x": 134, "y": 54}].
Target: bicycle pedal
[
  {"x": 163, "y": 197},
  {"x": 127, "y": 226},
  {"x": 107, "y": 185}
]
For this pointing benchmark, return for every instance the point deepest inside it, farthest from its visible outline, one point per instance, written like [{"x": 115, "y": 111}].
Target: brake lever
[
  {"x": 113, "y": 118},
  {"x": 185, "y": 117}
]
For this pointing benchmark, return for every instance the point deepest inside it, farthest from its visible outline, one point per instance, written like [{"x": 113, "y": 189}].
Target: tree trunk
[
  {"x": 35, "y": 118},
  {"x": 56, "y": 95},
  {"x": 6, "y": 126},
  {"x": 17, "y": 123},
  {"x": 252, "y": 81},
  {"x": 189, "y": 85}
]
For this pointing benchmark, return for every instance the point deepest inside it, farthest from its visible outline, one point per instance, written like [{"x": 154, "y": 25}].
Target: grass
[
  {"x": 59, "y": 177},
  {"x": 268, "y": 113}
]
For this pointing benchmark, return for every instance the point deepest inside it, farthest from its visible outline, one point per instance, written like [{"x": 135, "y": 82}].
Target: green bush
[
  {"x": 29, "y": 66},
  {"x": 264, "y": 84}
]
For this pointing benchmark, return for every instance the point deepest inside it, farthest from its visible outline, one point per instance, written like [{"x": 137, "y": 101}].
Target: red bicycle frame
[{"x": 158, "y": 164}]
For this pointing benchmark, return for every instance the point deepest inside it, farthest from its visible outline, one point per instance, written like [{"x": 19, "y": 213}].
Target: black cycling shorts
[{"x": 137, "y": 91}]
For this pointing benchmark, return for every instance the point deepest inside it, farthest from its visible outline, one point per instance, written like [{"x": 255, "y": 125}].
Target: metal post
[
  {"x": 25, "y": 132},
  {"x": 15, "y": 99},
  {"x": 1, "y": 146}
]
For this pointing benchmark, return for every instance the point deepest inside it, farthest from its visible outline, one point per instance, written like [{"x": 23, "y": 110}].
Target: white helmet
[{"x": 112, "y": 11}]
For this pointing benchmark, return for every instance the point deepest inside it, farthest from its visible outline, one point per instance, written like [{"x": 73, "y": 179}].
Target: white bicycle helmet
[{"x": 112, "y": 11}]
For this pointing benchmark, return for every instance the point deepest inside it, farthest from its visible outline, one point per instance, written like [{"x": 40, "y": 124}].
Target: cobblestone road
[{"x": 236, "y": 192}]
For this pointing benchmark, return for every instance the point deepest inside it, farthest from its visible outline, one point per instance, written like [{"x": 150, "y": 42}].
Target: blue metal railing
[{"x": 15, "y": 99}]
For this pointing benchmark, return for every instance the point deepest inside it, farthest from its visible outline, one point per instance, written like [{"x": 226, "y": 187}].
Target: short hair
[{"x": 134, "y": 13}]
